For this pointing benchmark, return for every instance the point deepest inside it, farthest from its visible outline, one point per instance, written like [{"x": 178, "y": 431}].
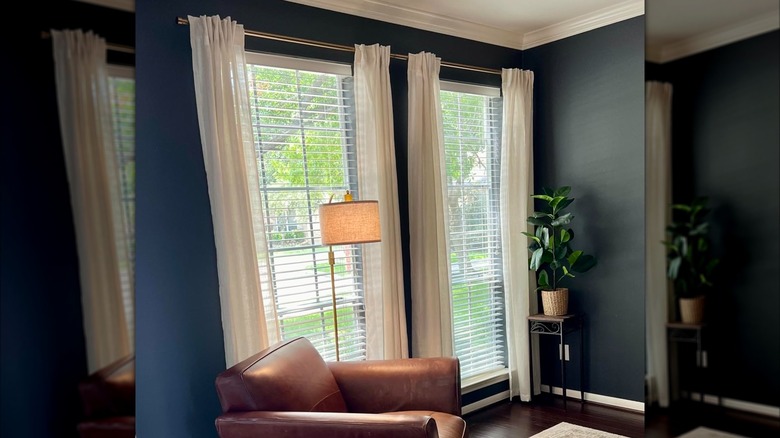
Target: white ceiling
[
  {"x": 519, "y": 24},
  {"x": 674, "y": 28},
  {"x": 678, "y": 28}
]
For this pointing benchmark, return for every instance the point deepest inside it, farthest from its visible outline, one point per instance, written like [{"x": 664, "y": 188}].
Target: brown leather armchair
[
  {"x": 288, "y": 390},
  {"x": 108, "y": 399}
]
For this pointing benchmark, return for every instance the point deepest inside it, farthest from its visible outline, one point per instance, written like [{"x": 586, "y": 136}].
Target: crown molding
[
  {"x": 584, "y": 23},
  {"x": 713, "y": 39},
  {"x": 465, "y": 29},
  {"x": 419, "y": 20},
  {"x": 123, "y": 5}
]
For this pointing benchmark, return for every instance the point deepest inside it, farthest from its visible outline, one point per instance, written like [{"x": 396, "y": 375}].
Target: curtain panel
[
  {"x": 428, "y": 222},
  {"x": 222, "y": 97},
  {"x": 84, "y": 106},
  {"x": 515, "y": 206},
  {"x": 383, "y": 273},
  {"x": 658, "y": 196}
]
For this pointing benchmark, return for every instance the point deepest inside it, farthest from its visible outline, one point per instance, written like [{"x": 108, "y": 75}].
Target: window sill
[{"x": 484, "y": 380}]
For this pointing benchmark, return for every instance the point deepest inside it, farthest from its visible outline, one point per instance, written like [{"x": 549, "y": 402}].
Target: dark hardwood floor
[
  {"x": 686, "y": 416},
  {"x": 522, "y": 420}
]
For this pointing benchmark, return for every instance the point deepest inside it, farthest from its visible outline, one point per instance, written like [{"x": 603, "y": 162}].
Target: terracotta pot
[
  {"x": 692, "y": 310},
  {"x": 555, "y": 302}
]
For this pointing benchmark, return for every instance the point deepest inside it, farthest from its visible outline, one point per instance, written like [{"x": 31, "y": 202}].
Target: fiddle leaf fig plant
[
  {"x": 552, "y": 256},
  {"x": 690, "y": 263}
]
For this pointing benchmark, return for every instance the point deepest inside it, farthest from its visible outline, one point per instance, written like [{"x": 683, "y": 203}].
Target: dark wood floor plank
[
  {"x": 522, "y": 420},
  {"x": 686, "y": 416}
]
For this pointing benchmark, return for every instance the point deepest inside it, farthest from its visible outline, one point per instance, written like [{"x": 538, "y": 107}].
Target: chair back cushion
[{"x": 288, "y": 376}]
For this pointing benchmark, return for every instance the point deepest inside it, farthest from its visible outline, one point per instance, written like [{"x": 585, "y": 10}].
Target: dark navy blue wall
[
  {"x": 41, "y": 333},
  {"x": 179, "y": 333},
  {"x": 725, "y": 109},
  {"x": 589, "y": 134}
]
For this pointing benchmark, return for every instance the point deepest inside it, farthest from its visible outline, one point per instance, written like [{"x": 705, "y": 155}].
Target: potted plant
[
  {"x": 690, "y": 263},
  {"x": 552, "y": 256}
]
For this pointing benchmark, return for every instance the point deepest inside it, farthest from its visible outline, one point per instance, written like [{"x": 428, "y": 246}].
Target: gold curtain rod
[
  {"x": 342, "y": 48},
  {"x": 109, "y": 46}
]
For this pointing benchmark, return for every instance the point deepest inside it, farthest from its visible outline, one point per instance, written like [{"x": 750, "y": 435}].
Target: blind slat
[{"x": 303, "y": 130}]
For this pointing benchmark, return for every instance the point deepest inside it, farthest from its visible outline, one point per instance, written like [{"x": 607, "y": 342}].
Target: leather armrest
[
  {"x": 400, "y": 385},
  {"x": 324, "y": 425}
]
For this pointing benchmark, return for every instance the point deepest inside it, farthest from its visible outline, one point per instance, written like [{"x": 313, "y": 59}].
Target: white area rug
[
  {"x": 566, "y": 430},
  {"x": 703, "y": 432}
]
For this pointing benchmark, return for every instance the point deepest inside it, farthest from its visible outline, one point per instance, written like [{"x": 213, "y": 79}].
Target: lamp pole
[{"x": 332, "y": 262}]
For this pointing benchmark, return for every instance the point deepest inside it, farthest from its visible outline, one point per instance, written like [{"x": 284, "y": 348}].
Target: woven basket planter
[
  {"x": 555, "y": 302},
  {"x": 692, "y": 310}
]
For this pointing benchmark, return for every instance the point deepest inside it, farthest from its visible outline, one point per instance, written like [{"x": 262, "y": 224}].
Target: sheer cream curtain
[
  {"x": 383, "y": 272},
  {"x": 84, "y": 106},
  {"x": 517, "y": 178},
  {"x": 658, "y": 188},
  {"x": 222, "y": 97},
  {"x": 428, "y": 224}
]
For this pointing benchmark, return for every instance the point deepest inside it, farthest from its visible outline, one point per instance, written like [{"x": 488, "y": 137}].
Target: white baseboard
[
  {"x": 740, "y": 405},
  {"x": 598, "y": 398},
  {"x": 485, "y": 402}
]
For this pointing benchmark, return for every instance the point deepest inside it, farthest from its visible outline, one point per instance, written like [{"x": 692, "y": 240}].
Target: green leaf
[
  {"x": 562, "y": 220},
  {"x": 536, "y": 259},
  {"x": 584, "y": 263},
  {"x": 712, "y": 264},
  {"x": 683, "y": 207},
  {"x": 534, "y": 246},
  {"x": 547, "y": 257},
  {"x": 574, "y": 256},
  {"x": 700, "y": 229},
  {"x": 532, "y": 237},
  {"x": 543, "y": 282},
  {"x": 543, "y": 197},
  {"x": 567, "y": 273},
  {"x": 538, "y": 221},
  {"x": 674, "y": 268},
  {"x": 545, "y": 238},
  {"x": 548, "y": 191},
  {"x": 565, "y": 237},
  {"x": 563, "y": 191},
  {"x": 563, "y": 204},
  {"x": 560, "y": 253}
]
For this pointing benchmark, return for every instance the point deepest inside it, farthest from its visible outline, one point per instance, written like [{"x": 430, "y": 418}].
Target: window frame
[
  {"x": 128, "y": 296},
  {"x": 494, "y": 375},
  {"x": 347, "y": 122}
]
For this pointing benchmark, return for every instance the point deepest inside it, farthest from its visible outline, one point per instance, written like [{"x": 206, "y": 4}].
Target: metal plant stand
[{"x": 560, "y": 326}]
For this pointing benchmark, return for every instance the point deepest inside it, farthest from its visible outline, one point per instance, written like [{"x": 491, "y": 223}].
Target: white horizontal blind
[
  {"x": 122, "y": 90},
  {"x": 303, "y": 127},
  {"x": 472, "y": 138}
]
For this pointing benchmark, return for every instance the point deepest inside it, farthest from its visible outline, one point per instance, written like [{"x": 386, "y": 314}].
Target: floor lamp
[{"x": 347, "y": 223}]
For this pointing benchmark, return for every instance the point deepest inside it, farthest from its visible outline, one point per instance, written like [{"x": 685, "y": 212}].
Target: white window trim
[
  {"x": 484, "y": 380},
  {"x": 121, "y": 71},
  {"x": 293, "y": 63},
  {"x": 462, "y": 87}
]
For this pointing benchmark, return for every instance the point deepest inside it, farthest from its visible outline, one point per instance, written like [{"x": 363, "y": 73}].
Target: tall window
[
  {"x": 472, "y": 137},
  {"x": 303, "y": 119},
  {"x": 121, "y": 84}
]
